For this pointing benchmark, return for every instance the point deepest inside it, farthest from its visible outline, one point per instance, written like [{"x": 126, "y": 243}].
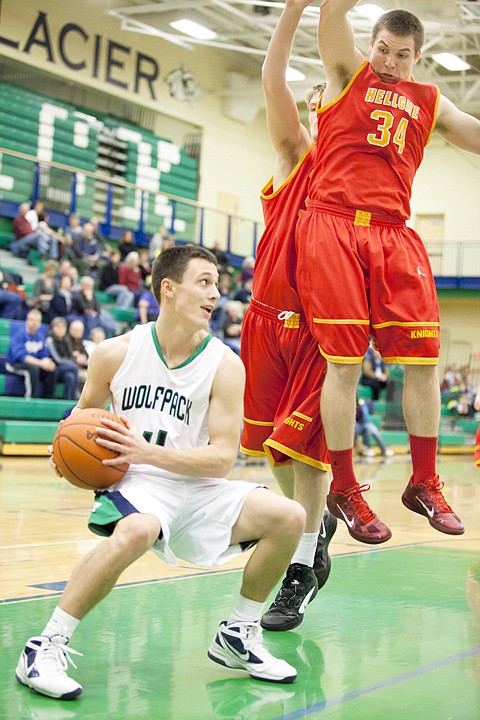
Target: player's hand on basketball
[
  {"x": 123, "y": 439},
  {"x": 51, "y": 462}
]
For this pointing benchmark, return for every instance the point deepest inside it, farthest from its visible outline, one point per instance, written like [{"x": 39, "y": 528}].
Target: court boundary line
[{"x": 354, "y": 694}]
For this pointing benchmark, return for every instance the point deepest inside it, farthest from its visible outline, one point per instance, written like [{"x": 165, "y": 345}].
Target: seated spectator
[
  {"x": 144, "y": 264},
  {"x": 97, "y": 231},
  {"x": 374, "y": 372},
  {"x": 246, "y": 273},
  {"x": 60, "y": 349},
  {"x": 86, "y": 261},
  {"x": 148, "y": 308},
  {"x": 110, "y": 284},
  {"x": 451, "y": 382},
  {"x": 219, "y": 312},
  {"x": 130, "y": 275},
  {"x": 97, "y": 335},
  {"x": 73, "y": 229},
  {"x": 232, "y": 326},
  {"x": 127, "y": 244},
  {"x": 244, "y": 295},
  {"x": 26, "y": 238},
  {"x": 158, "y": 242},
  {"x": 224, "y": 265},
  {"x": 61, "y": 304},
  {"x": 76, "y": 333},
  {"x": 12, "y": 296},
  {"x": 28, "y": 357},
  {"x": 44, "y": 288},
  {"x": 366, "y": 430},
  {"x": 87, "y": 307}
]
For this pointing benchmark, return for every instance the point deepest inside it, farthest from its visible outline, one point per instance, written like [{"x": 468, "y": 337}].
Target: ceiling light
[
  {"x": 369, "y": 12},
  {"x": 451, "y": 61},
  {"x": 193, "y": 29},
  {"x": 294, "y": 75}
]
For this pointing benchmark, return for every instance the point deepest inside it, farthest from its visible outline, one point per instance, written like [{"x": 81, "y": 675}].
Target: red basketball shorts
[
  {"x": 360, "y": 276},
  {"x": 285, "y": 373}
]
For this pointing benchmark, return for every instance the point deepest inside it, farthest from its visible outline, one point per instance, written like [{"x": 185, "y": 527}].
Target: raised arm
[
  {"x": 289, "y": 137},
  {"x": 336, "y": 45},
  {"x": 457, "y": 127}
]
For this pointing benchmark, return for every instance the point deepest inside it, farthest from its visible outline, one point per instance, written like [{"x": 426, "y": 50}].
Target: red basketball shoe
[
  {"x": 426, "y": 498},
  {"x": 362, "y": 523}
]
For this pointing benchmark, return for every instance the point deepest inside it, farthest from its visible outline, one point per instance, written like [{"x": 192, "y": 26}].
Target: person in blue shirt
[
  {"x": 28, "y": 356},
  {"x": 366, "y": 430}
]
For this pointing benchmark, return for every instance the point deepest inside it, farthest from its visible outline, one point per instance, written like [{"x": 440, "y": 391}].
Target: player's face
[
  {"x": 393, "y": 57},
  {"x": 197, "y": 293},
  {"x": 313, "y": 117}
]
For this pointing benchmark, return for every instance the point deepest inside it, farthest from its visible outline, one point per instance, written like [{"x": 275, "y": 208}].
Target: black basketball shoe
[
  {"x": 322, "y": 563},
  {"x": 299, "y": 587}
]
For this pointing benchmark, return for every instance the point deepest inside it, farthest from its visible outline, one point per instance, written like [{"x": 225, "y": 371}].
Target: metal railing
[{"x": 66, "y": 189}]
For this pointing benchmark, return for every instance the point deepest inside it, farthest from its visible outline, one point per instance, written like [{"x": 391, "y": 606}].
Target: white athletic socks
[
  {"x": 305, "y": 551},
  {"x": 61, "y": 623},
  {"x": 246, "y": 610}
]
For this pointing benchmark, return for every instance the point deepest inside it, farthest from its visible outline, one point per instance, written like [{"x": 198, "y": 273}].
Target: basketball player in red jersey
[
  {"x": 285, "y": 370},
  {"x": 374, "y": 123}
]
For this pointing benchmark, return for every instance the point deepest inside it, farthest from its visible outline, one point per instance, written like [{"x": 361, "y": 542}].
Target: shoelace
[
  {"x": 362, "y": 509},
  {"x": 253, "y": 642},
  {"x": 434, "y": 486},
  {"x": 54, "y": 655},
  {"x": 289, "y": 588}
]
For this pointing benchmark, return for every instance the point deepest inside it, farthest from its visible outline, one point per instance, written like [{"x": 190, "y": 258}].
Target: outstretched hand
[{"x": 123, "y": 439}]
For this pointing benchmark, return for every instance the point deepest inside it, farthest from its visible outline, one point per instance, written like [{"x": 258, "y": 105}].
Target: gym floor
[{"x": 395, "y": 632}]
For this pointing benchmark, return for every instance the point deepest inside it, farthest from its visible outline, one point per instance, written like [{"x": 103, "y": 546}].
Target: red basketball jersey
[
  {"x": 274, "y": 281},
  {"x": 372, "y": 139}
]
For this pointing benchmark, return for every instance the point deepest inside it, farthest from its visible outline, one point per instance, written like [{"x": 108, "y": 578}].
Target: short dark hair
[
  {"x": 172, "y": 263},
  {"x": 402, "y": 23}
]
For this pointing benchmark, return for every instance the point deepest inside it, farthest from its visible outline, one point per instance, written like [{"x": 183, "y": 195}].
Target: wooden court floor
[{"x": 394, "y": 634}]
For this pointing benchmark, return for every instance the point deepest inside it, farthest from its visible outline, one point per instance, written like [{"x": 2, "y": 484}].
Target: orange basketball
[{"x": 77, "y": 455}]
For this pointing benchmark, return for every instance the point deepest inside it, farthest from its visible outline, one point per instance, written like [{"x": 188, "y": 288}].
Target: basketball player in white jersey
[{"x": 179, "y": 391}]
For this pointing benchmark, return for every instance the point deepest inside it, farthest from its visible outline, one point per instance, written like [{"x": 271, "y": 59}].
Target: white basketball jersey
[{"x": 169, "y": 406}]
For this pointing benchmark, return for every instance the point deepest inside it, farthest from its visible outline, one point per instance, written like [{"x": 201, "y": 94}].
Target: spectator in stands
[
  {"x": 90, "y": 249},
  {"x": 37, "y": 216},
  {"x": 219, "y": 312},
  {"x": 10, "y": 304},
  {"x": 97, "y": 335},
  {"x": 148, "y": 308},
  {"x": 127, "y": 244},
  {"x": 246, "y": 273},
  {"x": 109, "y": 282},
  {"x": 97, "y": 231},
  {"x": 130, "y": 275},
  {"x": 28, "y": 357},
  {"x": 156, "y": 244},
  {"x": 451, "y": 382},
  {"x": 11, "y": 297},
  {"x": 144, "y": 264},
  {"x": 367, "y": 430},
  {"x": 224, "y": 265},
  {"x": 374, "y": 372},
  {"x": 244, "y": 294},
  {"x": 26, "y": 238},
  {"x": 60, "y": 349},
  {"x": 61, "y": 304},
  {"x": 74, "y": 227},
  {"x": 45, "y": 286},
  {"x": 232, "y": 326},
  {"x": 76, "y": 332},
  {"x": 87, "y": 307}
]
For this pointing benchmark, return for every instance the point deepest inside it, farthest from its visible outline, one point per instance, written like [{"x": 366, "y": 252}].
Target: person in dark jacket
[{"x": 60, "y": 349}]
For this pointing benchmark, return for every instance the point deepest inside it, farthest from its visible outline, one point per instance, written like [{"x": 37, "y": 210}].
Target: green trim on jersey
[{"x": 190, "y": 359}]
